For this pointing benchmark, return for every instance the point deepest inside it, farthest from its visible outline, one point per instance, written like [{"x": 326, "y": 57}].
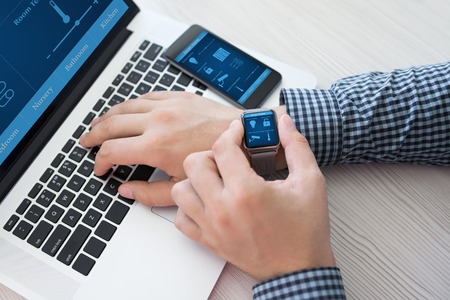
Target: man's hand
[
  {"x": 264, "y": 228},
  {"x": 159, "y": 129}
]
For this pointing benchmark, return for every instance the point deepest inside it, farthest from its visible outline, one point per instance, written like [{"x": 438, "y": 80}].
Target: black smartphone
[{"x": 240, "y": 78}]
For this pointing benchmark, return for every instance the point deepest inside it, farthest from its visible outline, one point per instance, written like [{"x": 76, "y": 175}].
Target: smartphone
[{"x": 240, "y": 78}]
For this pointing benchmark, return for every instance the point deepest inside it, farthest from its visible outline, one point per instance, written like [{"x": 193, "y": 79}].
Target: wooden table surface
[{"x": 390, "y": 224}]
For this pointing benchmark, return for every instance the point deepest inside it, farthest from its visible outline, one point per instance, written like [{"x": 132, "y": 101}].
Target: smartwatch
[{"x": 261, "y": 139}]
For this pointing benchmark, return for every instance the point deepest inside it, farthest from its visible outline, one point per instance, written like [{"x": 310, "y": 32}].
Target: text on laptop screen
[{"x": 42, "y": 45}]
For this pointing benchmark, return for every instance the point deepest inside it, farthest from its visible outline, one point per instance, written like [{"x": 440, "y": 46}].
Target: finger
[
  {"x": 230, "y": 159},
  {"x": 187, "y": 199},
  {"x": 157, "y": 193},
  {"x": 165, "y": 95},
  {"x": 132, "y": 106},
  {"x": 297, "y": 150},
  {"x": 203, "y": 174},
  {"x": 187, "y": 226},
  {"x": 126, "y": 151},
  {"x": 115, "y": 127}
]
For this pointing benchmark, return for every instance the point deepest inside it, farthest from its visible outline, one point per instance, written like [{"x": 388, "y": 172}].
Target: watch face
[{"x": 260, "y": 129}]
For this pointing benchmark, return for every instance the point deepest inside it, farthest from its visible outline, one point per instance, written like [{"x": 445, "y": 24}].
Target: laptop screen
[{"x": 42, "y": 46}]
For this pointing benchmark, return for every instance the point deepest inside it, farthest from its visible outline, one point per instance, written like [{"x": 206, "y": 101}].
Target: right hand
[{"x": 159, "y": 129}]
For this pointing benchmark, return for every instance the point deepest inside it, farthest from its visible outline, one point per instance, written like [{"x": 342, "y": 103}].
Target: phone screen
[{"x": 227, "y": 69}]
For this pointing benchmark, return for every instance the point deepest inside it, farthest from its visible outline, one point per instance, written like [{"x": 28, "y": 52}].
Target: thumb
[
  {"x": 157, "y": 193},
  {"x": 297, "y": 150}
]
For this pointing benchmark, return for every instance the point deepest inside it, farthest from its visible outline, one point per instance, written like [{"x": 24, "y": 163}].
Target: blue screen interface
[
  {"x": 260, "y": 129},
  {"x": 42, "y": 45},
  {"x": 224, "y": 67}
]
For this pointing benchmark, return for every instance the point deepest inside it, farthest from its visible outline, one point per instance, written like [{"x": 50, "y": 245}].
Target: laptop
[{"x": 65, "y": 233}]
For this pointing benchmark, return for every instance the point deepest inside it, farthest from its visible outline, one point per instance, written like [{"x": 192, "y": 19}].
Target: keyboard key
[
  {"x": 65, "y": 198},
  {"x": 184, "y": 79},
  {"x": 68, "y": 146},
  {"x": 86, "y": 168},
  {"x": 34, "y": 213},
  {"x": 104, "y": 111},
  {"x": 134, "y": 77},
  {"x": 45, "y": 198},
  {"x": 144, "y": 45},
  {"x": 143, "y": 88},
  {"x": 73, "y": 245},
  {"x": 159, "y": 88},
  {"x": 112, "y": 186},
  {"x": 176, "y": 88},
  {"x": 94, "y": 247},
  {"x": 83, "y": 264},
  {"x": 57, "y": 183},
  {"x": 151, "y": 77},
  {"x": 122, "y": 172},
  {"x": 93, "y": 186},
  {"x": 118, "y": 80},
  {"x": 153, "y": 52},
  {"x": 71, "y": 218},
  {"x": 54, "y": 213},
  {"x": 125, "y": 89},
  {"x": 160, "y": 65},
  {"x": 135, "y": 56},
  {"x": 89, "y": 118},
  {"x": 173, "y": 70},
  {"x": 58, "y": 160},
  {"x": 99, "y": 105},
  {"x": 23, "y": 207},
  {"x": 78, "y": 154},
  {"x": 92, "y": 217},
  {"x": 116, "y": 100},
  {"x": 117, "y": 212},
  {"x": 35, "y": 190},
  {"x": 127, "y": 68},
  {"x": 108, "y": 92},
  {"x": 22, "y": 230},
  {"x": 142, "y": 66},
  {"x": 56, "y": 240},
  {"x": 167, "y": 80},
  {"x": 80, "y": 130},
  {"x": 76, "y": 183},
  {"x": 142, "y": 173},
  {"x": 39, "y": 235},
  {"x": 82, "y": 202},
  {"x": 67, "y": 168},
  {"x": 93, "y": 153},
  {"x": 102, "y": 202},
  {"x": 46, "y": 176},
  {"x": 105, "y": 230},
  {"x": 11, "y": 223}
]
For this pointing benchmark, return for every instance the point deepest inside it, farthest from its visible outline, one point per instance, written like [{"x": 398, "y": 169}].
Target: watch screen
[{"x": 260, "y": 129}]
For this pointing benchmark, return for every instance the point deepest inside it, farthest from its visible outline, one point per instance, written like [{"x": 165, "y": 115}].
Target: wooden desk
[{"x": 390, "y": 223}]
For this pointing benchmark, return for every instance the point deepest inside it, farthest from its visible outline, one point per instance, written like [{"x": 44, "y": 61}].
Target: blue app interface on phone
[
  {"x": 224, "y": 67},
  {"x": 260, "y": 129}
]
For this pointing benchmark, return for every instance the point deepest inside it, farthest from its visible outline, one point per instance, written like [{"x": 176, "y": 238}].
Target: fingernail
[
  {"x": 233, "y": 123},
  {"x": 288, "y": 121},
  {"x": 82, "y": 138},
  {"x": 126, "y": 192}
]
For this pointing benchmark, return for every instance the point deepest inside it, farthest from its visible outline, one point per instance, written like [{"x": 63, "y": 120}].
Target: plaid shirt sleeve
[
  {"x": 317, "y": 283},
  {"x": 401, "y": 116}
]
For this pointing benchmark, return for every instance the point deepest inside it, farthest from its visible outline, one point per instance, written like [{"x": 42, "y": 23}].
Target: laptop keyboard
[{"x": 71, "y": 214}]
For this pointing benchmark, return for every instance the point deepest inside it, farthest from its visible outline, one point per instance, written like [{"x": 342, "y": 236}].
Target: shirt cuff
[
  {"x": 316, "y": 283},
  {"x": 317, "y": 117}
]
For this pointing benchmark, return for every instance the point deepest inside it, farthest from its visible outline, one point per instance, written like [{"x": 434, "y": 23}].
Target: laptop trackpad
[{"x": 168, "y": 213}]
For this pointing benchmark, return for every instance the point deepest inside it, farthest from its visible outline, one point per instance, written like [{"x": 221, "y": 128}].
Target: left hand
[{"x": 264, "y": 228}]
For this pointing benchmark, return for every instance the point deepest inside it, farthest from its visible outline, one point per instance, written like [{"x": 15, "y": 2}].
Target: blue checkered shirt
[
  {"x": 317, "y": 283},
  {"x": 398, "y": 117}
]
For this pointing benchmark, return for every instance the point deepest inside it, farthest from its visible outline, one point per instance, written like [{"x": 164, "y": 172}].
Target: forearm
[{"x": 396, "y": 117}]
